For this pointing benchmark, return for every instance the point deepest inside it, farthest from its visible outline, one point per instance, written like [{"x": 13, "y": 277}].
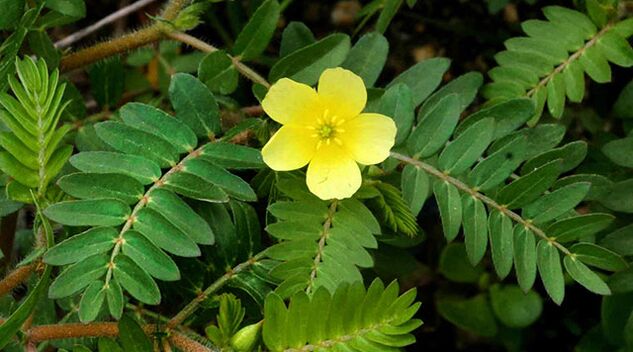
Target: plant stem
[
  {"x": 429, "y": 169},
  {"x": 324, "y": 235},
  {"x": 15, "y": 278},
  {"x": 208, "y": 48},
  {"x": 140, "y": 205},
  {"x": 192, "y": 306},
  {"x": 74, "y": 37},
  {"x": 122, "y": 44},
  {"x": 75, "y": 330}
]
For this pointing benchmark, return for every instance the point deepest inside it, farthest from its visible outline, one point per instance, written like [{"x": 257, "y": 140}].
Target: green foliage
[
  {"x": 34, "y": 151},
  {"x": 482, "y": 156},
  {"x": 376, "y": 319},
  {"x": 126, "y": 247},
  {"x": 550, "y": 71},
  {"x": 169, "y": 200},
  {"x": 321, "y": 244}
]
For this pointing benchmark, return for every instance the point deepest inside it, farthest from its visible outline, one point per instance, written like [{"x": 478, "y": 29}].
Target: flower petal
[
  {"x": 369, "y": 137},
  {"x": 289, "y": 148},
  {"x": 290, "y": 102},
  {"x": 333, "y": 174},
  {"x": 342, "y": 92}
]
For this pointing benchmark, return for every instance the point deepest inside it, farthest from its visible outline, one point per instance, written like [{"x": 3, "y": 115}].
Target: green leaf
[
  {"x": 389, "y": 10},
  {"x": 367, "y": 57},
  {"x": 397, "y": 104},
  {"x": 513, "y": 307},
  {"x": 142, "y": 169},
  {"x": 149, "y": 257},
  {"x": 416, "y": 186},
  {"x": 216, "y": 70},
  {"x": 623, "y": 107},
  {"x": 295, "y": 36},
  {"x": 132, "y": 140},
  {"x": 450, "y": 205},
  {"x": 132, "y": 336},
  {"x": 135, "y": 280},
  {"x": 619, "y": 241},
  {"x": 97, "y": 212},
  {"x": 619, "y": 197},
  {"x": 584, "y": 276},
  {"x": 178, "y": 213},
  {"x": 91, "y": 302},
  {"x": 524, "y": 257},
  {"x": 574, "y": 81},
  {"x": 79, "y": 275},
  {"x": 556, "y": 95},
  {"x": 165, "y": 234},
  {"x": 475, "y": 221},
  {"x": 96, "y": 186},
  {"x": 423, "y": 78},
  {"x": 618, "y": 151},
  {"x": 350, "y": 311},
  {"x": 501, "y": 242},
  {"x": 497, "y": 167},
  {"x": 472, "y": 314},
  {"x": 551, "y": 271},
  {"x": 435, "y": 128},
  {"x": 599, "y": 257},
  {"x": 466, "y": 149},
  {"x": 71, "y": 8},
  {"x": 114, "y": 296},
  {"x": 160, "y": 124},
  {"x": 564, "y": 15},
  {"x": 232, "y": 156},
  {"x": 572, "y": 154},
  {"x": 193, "y": 186},
  {"x": 79, "y": 247},
  {"x": 455, "y": 266},
  {"x": 527, "y": 188},
  {"x": 573, "y": 228},
  {"x": 12, "y": 11},
  {"x": 552, "y": 205},
  {"x": 596, "y": 65},
  {"x": 195, "y": 105},
  {"x": 616, "y": 49},
  {"x": 108, "y": 345},
  {"x": 231, "y": 184},
  {"x": 107, "y": 79},
  {"x": 306, "y": 64},
  {"x": 465, "y": 86},
  {"x": 254, "y": 37}
]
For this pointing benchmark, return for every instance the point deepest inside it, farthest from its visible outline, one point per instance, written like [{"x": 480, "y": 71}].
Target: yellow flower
[{"x": 328, "y": 130}]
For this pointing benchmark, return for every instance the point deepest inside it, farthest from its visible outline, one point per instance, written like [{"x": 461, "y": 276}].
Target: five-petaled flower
[{"x": 328, "y": 130}]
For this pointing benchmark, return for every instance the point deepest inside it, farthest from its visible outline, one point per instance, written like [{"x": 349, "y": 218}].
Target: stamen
[{"x": 338, "y": 141}]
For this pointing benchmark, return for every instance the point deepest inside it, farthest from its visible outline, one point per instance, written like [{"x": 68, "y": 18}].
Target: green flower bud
[{"x": 246, "y": 339}]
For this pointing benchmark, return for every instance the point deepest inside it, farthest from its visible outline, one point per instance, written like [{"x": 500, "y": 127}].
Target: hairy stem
[
  {"x": 125, "y": 43},
  {"x": 15, "y": 278},
  {"x": 208, "y": 48},
  {"x": 74, "y": 37},
  {"x": 429, "y": 169},
  {"x": 324, "y": 235},
  {"x": 192, "y": 306},
  {"x": 75, "y": 330}
]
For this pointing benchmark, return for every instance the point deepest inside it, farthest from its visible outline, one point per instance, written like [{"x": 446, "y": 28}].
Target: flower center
[{"x": 327, "y": 129}]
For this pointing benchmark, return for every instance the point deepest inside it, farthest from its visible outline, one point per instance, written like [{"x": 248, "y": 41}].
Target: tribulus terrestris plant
[{"x": 311, "y": 177}]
